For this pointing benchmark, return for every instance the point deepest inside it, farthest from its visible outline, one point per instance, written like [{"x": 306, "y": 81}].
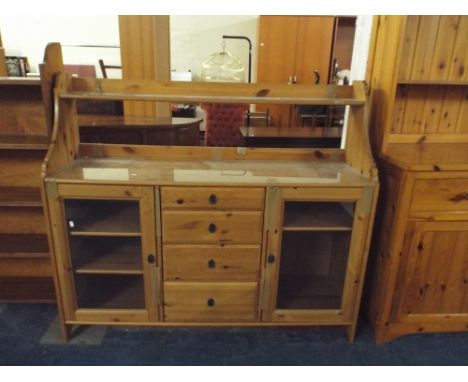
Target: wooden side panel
[
  {"x": 387, "y": 243},
  {"x": 387, "y": 41},
  {"x": 3, "y": 68}
]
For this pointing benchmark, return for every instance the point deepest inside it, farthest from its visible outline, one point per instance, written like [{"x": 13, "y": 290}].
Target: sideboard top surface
[{"x": 210, "y": 172}]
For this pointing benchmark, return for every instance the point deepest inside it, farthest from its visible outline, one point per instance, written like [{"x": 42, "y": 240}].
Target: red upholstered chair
[
  {"x": 222, "y": 123},
  {"x": 80, "y": 70}
]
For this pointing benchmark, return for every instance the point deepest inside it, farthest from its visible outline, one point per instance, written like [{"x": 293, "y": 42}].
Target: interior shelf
[
  {"x": 432, "y": 82},
  {"x": 23, "y": 142},
  {"x": 317, "y": 216},
  {"x": 109, "y": 291},
  {"x": 92, "y": 255},
  {"x": 23, "y": 245},
  {"x": 20, "y": 197},
  {"x": 103, "y": 218}
]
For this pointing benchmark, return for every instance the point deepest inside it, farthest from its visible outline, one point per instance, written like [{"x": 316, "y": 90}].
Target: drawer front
[
  {"x": 210, "y": 302},
  {"x": 213, "y": 198},
  {"x": 212, "y": 227},
  {"x": 440, "y": 195},
  {"x": 211, "y": 262}
]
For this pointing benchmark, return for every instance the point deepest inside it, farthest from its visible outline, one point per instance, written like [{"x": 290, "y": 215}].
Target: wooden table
[
  {"x": 291, "y": 137},
  {"x": 140, "y": 130}
]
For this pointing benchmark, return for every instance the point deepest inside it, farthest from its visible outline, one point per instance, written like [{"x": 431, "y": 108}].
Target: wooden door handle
[{"x": 460, "y": 197}]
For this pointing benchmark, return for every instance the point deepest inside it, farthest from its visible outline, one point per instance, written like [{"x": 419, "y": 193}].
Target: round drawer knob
[
  {"x": 211, "y": 302},
  {"x": 151, "y": 259},
  {"x": 271, "y": 259},
  {"x": 211, "y": 263},
  {"x": 213, "y": 199},
  {"x": 212, "y": 228}
]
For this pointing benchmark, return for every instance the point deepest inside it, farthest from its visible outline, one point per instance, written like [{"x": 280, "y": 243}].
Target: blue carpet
[{"x": 23, "y": 325}]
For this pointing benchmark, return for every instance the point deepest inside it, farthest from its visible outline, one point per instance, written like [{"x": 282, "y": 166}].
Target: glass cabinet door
[
  {"x": 309, "y": 260},
  {"x": 108, "y": 262}
]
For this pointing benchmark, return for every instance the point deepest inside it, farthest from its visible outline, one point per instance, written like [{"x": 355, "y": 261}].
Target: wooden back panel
[
  {"x": 419, "y": 80},
  {"x": 435, "y": 49}
]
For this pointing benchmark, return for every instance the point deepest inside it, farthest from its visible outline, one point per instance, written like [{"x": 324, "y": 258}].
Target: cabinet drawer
[
  {"x": 213, "y": 198},
  {"x": 213, "y": 226},
  {"x": 211, "y": 262},
  {"x": 211, "y": 302},
  {"x": 440, "y": 195}
]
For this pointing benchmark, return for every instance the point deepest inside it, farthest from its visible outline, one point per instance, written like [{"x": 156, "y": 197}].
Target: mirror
[{"x": 285, "y": 49}]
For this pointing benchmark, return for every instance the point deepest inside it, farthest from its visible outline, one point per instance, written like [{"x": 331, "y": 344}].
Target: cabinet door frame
[
  {"x": 413, "y": 247},
  {"x": 353, "y": 277},
  {"x": 145, "y": 195}
]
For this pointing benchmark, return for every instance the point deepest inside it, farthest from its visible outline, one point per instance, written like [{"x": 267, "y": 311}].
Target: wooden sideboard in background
[
  {"x": 25, "y": 268},
  {"x": 419, "y": 85}
]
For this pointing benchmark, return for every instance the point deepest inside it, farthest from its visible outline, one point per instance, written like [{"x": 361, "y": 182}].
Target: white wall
[
  {"x": 360, "y": 58},
  {"x": 195, "y": 38},
  {"x": 28, "y": 36}
]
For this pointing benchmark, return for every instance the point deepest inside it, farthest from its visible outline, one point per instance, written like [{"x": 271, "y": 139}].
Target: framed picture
[{"x": 17, "y": 66}]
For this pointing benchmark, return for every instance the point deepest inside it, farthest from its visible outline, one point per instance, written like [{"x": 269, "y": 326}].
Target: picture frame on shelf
[{"x": 17, "y": 66}]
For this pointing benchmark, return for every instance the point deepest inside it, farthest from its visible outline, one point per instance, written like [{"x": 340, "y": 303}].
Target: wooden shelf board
[
  {"x": 122, "y": 259},
  {"x": 324, "y": 228},
  {"x": 116, "y": 222},
  {"x": 26, "y": 81},
  {"x": 24, "y": 142},
  {"x": 193, "y": 92},
  {"x": 36, "y": 255},
  {"x": 105, "y": 233},
  {"x": 20, "y": 197},
  {"x": 316, "y": 216}
]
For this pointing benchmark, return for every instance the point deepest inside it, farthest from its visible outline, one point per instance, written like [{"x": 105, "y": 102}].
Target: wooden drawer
[
  {"x": 248, "y": 198},
  {"x": 210, "y": 302},
  {"x": 213, "y": 226},
  {"x": 211, "y": 262},
  {"x": 440, "y": 195}
]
